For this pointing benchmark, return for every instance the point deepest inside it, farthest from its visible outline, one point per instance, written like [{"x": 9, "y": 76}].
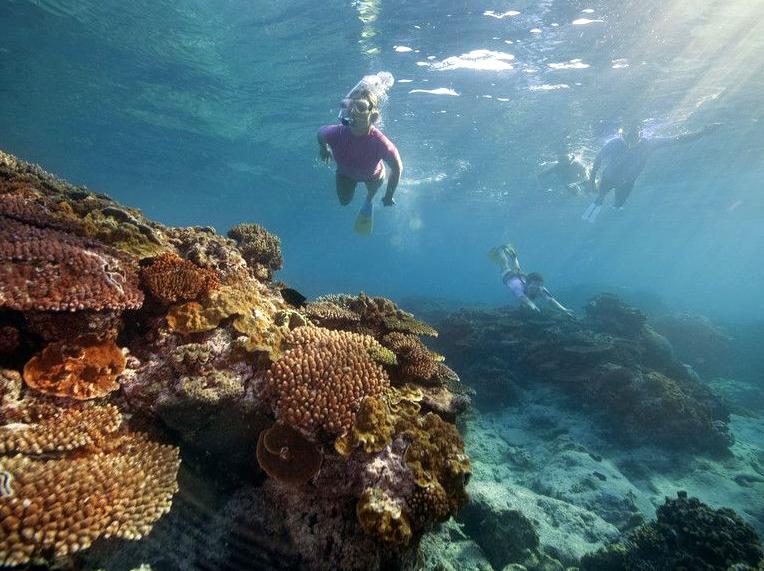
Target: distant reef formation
[
  {"x": 687, "y": 534},
  {"x": 610, "y": 361},
  {"x": 314, "y": 435}
]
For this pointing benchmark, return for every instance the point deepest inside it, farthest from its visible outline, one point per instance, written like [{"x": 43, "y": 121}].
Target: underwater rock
[
  {"x": 697, "y": 341},
  {"x": 687, "y": 534}
]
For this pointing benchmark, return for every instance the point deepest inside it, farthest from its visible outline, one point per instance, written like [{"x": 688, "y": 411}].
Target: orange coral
[
  {"x": 61, "y": 505},
  {"x": 83, "y": 369},
  {"x": 285, "y": 455},
  {"x": 318, "y": 385},
  {"x": 170, "y": 278}
]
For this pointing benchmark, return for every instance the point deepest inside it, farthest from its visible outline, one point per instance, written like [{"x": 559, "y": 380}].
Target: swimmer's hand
[
  {"x": 325, "y": 154},
  {"x": 388, "y": 200}
]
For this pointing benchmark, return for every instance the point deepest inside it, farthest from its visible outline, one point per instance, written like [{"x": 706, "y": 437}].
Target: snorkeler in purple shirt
[
  {"x": 360, "y": 149},
  {"x": 527, "y": 288},
  {"x": 624, "y": 158}
]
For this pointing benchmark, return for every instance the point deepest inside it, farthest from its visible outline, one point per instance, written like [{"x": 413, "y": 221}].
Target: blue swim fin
[{"x": 364, "y": 222}]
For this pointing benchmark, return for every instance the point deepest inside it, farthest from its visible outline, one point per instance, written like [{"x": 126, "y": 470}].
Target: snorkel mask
[{"x": 377, "y": 85}]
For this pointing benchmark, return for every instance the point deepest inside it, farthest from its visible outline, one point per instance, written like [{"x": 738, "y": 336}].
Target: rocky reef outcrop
[
  {"x": 327, "y": 429},
  {"x": 687, "y": 534},
  {"x": 610, "y": 361}
]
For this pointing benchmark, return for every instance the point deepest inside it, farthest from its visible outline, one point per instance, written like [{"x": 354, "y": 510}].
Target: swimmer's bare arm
[
  {"x": 527, "y": 302},
  {"x": 658, "y": 142},
  {"x": 551, "y": 299},
  {"x": 324, "y": 152},
  {"x": 396, "y": 168}
]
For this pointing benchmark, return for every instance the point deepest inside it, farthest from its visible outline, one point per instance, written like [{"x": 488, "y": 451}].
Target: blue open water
[{"x": 205, "y": 113}]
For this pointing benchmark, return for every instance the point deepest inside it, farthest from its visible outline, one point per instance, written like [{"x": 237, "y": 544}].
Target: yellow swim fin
[
  {"x": 495, "y": 254},
  {"x": 364, "y": 222}
]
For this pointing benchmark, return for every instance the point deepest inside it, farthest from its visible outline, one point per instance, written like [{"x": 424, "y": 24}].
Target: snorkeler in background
[
  {"x": 359, "y": 148},
  {"x": 570, "y": 171},
  {"x": 624, "y": 158},
  {"x": 527, "y": 288}
]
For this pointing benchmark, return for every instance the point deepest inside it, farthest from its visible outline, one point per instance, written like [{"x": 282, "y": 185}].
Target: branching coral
[
  {"x": 61, "y": 505},
  {"x": 170, "y": 279},
  {"x": 84, "y": 368},
  {"x": 318, "y": 385},
  {"x": 416, "y": 363},
  {"x": 37, "y": 427},
  {"x": 260, "y": 248},
  {"x": 287, "y": 456},
  {"x": 45, "y": 269}
]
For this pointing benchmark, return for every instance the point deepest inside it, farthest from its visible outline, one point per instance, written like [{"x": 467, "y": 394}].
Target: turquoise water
[{"x": 205, "y": 113}]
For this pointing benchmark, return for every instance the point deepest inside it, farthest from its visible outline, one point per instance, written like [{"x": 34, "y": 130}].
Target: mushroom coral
[{"x": 287, "y": 456}]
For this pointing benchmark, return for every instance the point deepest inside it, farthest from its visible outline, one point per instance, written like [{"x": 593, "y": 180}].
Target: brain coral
[
  {"x": 84, "y": 368},
  {"x": 170, "y": 278},
  {"x": 318, "y": 385},
  {"x": 46, "y": 269}
]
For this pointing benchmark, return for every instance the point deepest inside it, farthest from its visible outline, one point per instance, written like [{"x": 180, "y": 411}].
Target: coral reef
[
  {"x": 170, "y": 279},
  {"x": 72, "y": 473},
  {"x": 687, "y": 534},
  {"x": 124, "y": 328},
  {"x": 318, "y": 385},
  {"x": 260, "y": 248}
]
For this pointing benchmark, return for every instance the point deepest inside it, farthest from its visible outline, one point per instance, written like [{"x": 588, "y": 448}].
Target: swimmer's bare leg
[
  {"x": 345, "y": 189},
  {"x": 372, "y": 186}
]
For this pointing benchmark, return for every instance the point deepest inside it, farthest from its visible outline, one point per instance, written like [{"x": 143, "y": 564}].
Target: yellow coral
[
  {"x": 256, "y": 311},
  {"x": 373, "y": 428},
  {"x": 380, "y": 515}
]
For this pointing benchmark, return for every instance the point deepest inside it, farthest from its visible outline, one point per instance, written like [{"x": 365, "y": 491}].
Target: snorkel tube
[{"x": 377, "y": 85}]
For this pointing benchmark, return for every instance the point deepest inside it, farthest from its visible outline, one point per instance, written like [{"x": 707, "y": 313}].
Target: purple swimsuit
[{"x": 359, "y": 157}]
